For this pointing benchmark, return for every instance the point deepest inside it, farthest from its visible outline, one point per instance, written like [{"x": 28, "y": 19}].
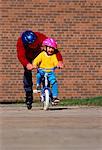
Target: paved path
[{"x": 60, "y": 128}]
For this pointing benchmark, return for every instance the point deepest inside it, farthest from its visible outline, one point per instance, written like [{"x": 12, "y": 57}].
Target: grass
[{"x": 96, "y": 101}]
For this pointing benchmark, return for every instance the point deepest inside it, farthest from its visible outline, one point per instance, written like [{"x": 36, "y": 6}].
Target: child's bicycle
[{"x": 46, "y": 94}]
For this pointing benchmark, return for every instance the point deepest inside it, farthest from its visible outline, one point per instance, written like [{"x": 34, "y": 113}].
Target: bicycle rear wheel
[{"x": 47, "y": 100}]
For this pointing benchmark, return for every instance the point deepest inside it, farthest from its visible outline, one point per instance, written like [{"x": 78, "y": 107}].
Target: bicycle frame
[{"x": 46, "y": 94}]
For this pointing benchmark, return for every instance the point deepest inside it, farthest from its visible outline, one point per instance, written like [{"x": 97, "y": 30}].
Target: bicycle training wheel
[{"x": 47, "y": 100}]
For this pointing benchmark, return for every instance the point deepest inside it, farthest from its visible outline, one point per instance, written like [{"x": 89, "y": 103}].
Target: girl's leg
[
  {"x": 54, "y": 84},
  {"x": 55, "y": 90},
  {"x": 39, "y": 76},
  {"x": 38, "y": 79}
]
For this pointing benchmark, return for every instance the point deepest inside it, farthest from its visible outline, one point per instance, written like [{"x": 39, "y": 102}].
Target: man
[{"x": 29, "y": 46}]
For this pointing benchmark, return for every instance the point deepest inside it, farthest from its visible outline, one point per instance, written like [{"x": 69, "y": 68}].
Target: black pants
[{"x": 27, "y": 80}]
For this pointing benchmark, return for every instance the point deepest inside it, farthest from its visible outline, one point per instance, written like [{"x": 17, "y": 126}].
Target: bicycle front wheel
[{"x": 47, "y": 100}]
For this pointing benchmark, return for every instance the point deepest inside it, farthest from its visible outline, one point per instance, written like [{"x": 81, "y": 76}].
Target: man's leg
[{"x": 28, "y": 86}]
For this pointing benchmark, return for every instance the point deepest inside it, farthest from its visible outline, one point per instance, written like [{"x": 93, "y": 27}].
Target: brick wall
[{"x": 77, "y": 27}]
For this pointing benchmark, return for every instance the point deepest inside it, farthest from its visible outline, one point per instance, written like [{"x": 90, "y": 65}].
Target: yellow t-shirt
[{"x": 45, "y": 61}]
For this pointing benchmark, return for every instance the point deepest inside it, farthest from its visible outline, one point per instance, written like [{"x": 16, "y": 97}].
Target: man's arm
[
  {"x": 59, "y": 58},
  {"x": 41, "y": 37},
  {"x": 21, "y": 53}
]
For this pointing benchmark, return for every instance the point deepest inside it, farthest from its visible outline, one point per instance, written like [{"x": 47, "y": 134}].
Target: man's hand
[
  {"x": 29, "y": 66},
  {"x": 60, "y": 64}
]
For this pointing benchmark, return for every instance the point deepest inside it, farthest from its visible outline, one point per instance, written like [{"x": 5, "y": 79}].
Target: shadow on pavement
[{"x": 59, "y": 108}]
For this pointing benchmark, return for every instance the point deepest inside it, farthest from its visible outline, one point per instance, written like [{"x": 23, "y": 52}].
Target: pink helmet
[{"x": 50, "y": 42}]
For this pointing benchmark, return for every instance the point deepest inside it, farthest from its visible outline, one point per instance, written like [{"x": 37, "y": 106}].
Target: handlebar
[{"x": 49, "y": 69}]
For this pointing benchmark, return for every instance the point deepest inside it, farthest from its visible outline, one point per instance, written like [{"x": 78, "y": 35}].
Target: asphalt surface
[{"x": 60, "y": 128}]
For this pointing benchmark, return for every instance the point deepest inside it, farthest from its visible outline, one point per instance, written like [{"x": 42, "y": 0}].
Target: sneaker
[
  {"x": 55, "y": 101},
  {"x": 29, "y": 105},
  {"x": 29, "y": 100}
]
